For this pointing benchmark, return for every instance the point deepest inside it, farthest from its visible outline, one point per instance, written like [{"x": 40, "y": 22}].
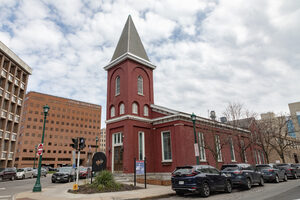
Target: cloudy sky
[{"x": 207, "y": 52}]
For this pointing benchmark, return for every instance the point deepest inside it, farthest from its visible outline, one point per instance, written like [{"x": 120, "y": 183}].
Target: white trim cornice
[
  {"x": 117, "y": 119},
  {"x": 131, "y": 56}
]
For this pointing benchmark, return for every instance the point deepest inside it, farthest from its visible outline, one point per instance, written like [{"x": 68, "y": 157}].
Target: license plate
[
  {"x": 58, "y": 178},
  {"x": 228, "y": 174},
  {"x": 181, "y": 182}
]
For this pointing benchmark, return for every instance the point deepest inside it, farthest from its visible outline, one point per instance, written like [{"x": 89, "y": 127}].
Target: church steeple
[
  {"x": 130, "y": 42},
  {"x": 130, "y": 46}
]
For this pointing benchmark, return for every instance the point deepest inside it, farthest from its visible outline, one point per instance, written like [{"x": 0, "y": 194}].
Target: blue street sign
[{"x": 140, "y": 167}]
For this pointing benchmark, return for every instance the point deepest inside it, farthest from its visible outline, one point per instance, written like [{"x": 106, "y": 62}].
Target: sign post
[{"x": 140, "y": 169}]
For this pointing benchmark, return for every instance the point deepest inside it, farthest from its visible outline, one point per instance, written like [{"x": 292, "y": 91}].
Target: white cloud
[{"x": 207, "y": 52}]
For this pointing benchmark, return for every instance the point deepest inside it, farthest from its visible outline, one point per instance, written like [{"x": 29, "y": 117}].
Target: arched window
[
  {"x": 118, "y": 85},
  {"x": 140, "y": 85},
  {"x": 134, "y": 108},
  {"x": 112, "y": 111},
  {"x": 122, "y": 108},
  {"x": 146, "y": 110}
]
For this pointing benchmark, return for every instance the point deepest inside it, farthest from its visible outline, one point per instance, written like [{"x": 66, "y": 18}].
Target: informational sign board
[
  {"x": 196, "y": 147},
  {"x": 40, "y": 149},
  {"x": 140, "y": 167}
]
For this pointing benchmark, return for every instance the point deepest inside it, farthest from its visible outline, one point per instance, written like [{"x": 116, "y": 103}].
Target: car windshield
[
  {"x": 20, "y": 170},
  {"x": 64, "y": 169},
  {"x": 183, "y": 170},
  {"x": 229, "y": 167}
]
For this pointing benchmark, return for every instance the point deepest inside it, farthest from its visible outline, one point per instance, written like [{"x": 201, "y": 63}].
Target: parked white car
[{"x": 24, "y": 173}]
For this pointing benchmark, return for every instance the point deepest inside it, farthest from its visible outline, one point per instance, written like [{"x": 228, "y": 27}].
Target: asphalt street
[
  {"x": 281, "y": 191},
  {"x": 9, "y": 188}
]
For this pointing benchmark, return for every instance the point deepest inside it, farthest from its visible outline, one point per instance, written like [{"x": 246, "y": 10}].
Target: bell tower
[
  {"x": 130, "y": 77},
  {"x": 129, "y": 96}
]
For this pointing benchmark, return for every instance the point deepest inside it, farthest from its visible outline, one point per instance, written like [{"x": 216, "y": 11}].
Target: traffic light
[
  {"x": 75, "y": 143},
  {"x": 81, "y": 143}
]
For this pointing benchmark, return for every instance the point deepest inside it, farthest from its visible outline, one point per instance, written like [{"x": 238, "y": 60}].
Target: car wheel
[
  {"x": 276, "y": 179},
  {"x": 248, "y": 184},
  {"x": 70, "y": 180},
  {"x": 228, "y": 187},
  {"x": 1, "y": 178},
  {"x": 205, "y": 190},
  {"x": 285, "y": 177},
  {"x": 53, "y": 181},
  {"x": 261, "y": 182},
  {"x": 295, "y": 176},
  {"x": 23, "y": 177},
  {"x": 180, "y": 193},
  {"x": 12, "y": 178}
]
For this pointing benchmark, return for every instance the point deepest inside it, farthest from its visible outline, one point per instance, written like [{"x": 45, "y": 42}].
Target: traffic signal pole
[{"x": 77, "y": 172}]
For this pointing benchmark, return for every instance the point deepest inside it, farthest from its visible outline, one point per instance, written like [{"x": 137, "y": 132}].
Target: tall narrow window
[
  {"x": 244, "y": 151},
  {"x": 140, "y": 85},
  {"x": 118, "y": 85},
  {"x": 122, "y": 108},
  {"x": 141, "y": 146},
  {"x": 166, "y": 146},
  {"x": 112, "y": 111},
  {"x": 202, "y": 147},
  {"x": 231, "y": 150},
  {"x": 146, "y": 110},
  {"x": 259, "y": 158},
  {"x": 134, "y": 108},
  {"x": 218, "y": 148}
]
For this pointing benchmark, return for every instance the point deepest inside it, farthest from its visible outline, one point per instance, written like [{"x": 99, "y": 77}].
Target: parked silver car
[
  {"x": 24, "y": 173},
  {"x": 43, "y": 172}
]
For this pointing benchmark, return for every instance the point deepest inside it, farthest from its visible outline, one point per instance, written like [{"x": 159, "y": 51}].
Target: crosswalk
[{"x": 6, "y": 197}]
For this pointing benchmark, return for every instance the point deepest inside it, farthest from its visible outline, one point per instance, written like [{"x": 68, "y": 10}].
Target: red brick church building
[{"x": 137, "y": 127}]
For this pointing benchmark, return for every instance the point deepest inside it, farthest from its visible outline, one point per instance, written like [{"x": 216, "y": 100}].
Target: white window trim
[
  {"x": 112, "y": 111},
  {"x": 143, "y": 139},
  {"x": 162, "y": 147},
  {"x": 117, "y": 92},
  {"x": 122, "y": 105},
  {"x": 137, "y": 108},
  {"x": 232, "y": 150},
  {"x": 202, "y": 146},
  {"x": 142, "y": 86},
  {"x": 146, "y": 114},
  {"x": 218, "y": 146}
]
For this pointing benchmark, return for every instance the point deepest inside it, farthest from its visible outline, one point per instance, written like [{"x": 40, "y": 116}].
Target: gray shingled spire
[{"x": 130, "y": 42}]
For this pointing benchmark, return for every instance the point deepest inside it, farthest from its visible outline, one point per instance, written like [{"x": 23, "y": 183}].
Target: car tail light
[
  {"x": 238, "y": 172},
  {"x": 270, "y": 170}
]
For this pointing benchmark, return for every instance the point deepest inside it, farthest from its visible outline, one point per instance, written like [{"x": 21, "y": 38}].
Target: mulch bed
[{"x": 87, "y": 189}]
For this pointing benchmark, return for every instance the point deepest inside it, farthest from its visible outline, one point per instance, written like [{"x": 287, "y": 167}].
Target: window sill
[
  {"x": 166, "y": 162},
  {"x": 117, "y": 94},
  {"x": 140, "y": 94},
  {"x": 234, "y": 161}
]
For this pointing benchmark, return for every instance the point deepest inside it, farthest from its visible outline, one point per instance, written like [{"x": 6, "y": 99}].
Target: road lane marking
[{"x": 2, "y": 188}]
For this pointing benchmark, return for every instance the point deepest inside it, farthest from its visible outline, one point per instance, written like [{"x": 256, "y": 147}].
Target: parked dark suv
[
  {"x": 8, "y": 173},
  {"x": 199, "y": 178},
  {"x": 292, "y": 170},
  {"x": 64, "y": 174},
  {"x": 272, "y": 173},
  {"x": 244, "y": 175}
]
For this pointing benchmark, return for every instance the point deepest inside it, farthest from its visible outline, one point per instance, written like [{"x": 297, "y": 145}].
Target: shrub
[{"x": 104, "y": 181}]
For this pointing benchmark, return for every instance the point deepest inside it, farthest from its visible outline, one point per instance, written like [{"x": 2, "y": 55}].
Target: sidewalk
[{"x": 59, "y": 192}]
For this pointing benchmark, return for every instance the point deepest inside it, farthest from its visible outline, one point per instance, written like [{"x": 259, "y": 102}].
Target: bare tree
[
  {"x": 275, "y": 135},
  {"x": 215, "y": 147},
  {"x": 238, "y": 116}
]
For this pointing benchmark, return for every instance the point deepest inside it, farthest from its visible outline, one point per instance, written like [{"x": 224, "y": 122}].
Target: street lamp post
[
  {"x": 96, "y": 143},
  {"x": 35, "y": 148},
  {"x": 193, "y": 116},
  {"x": 37, "y": 187}
]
